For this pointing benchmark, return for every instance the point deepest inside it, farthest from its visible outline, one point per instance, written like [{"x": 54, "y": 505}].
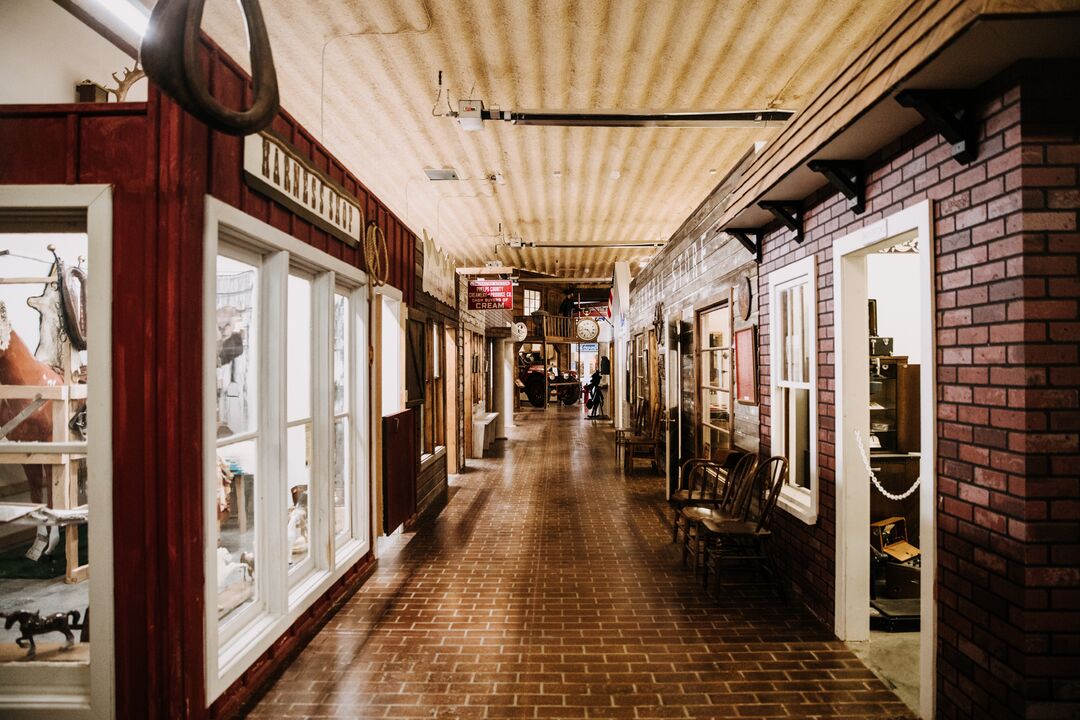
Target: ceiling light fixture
[
  {"x": 441, "y": 173},
  {"x": 471, "y": 115}
]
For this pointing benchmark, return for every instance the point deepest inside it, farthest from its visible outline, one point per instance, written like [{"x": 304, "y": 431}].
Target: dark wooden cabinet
[{"x": 894, "y": 405}]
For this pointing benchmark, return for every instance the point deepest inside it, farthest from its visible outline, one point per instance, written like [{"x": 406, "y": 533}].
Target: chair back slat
[
  {"x": 739, "y": 485},
  {"x": 773, "y": 475}
]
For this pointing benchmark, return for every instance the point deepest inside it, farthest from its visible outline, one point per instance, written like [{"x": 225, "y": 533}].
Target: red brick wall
[{"x": 1006, "y": 251}]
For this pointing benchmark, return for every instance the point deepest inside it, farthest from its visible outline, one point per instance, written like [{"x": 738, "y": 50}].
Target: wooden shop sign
[
  {"x": 275, "y": 169},
  {"x": 491, "y": 294}
]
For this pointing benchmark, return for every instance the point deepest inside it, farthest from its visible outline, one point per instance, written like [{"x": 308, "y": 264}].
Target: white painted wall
[
  {"x": 893, "y": 280},
  {"x": 46, "y": 51}
]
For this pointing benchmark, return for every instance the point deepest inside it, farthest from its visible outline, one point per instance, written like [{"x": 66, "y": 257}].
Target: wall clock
[
  {"x": 587, "y": 329},
  {"x": 744, "y": 297},
  {"x": 519, "y": 331}
]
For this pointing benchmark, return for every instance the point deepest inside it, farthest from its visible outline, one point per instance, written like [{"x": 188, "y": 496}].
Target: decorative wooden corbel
[
  {"x": 170, "y": 56},
  {"x": 847, "y": 176},
  {"x": 749, "y": 239},
  {"x": 949, "y": 113},
  {"x": 787, "y": 212}
]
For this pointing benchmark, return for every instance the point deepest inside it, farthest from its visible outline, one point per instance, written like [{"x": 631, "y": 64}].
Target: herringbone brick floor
[{"x": 548, "y": 588}]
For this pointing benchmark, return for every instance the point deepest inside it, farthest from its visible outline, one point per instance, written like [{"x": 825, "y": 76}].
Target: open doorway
[{"x": 885, "y": 438}]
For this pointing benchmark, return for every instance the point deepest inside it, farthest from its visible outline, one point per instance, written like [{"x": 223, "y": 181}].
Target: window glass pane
[
  {"x": 298, "y": 435},
  {"x": 43, "y": 557},
  {"x": 236, "y": 347},
  {"x": 298, "y": 337},
  {"x": 341, "y": 353},
  {"x": 795, "y": 321},
  {"x": 236, "y": 498},
  {"x": 435, "y": 332},
  {"x": 717, "y": 407},
  {"x": 298, "y": 449},
  {"x": 796, "y": 439},
  {"x": 532, "y": 301},
  {"x": 342, "y": 490}
]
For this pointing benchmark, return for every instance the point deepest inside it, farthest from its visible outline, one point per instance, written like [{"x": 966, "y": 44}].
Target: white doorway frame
[{"x": 853, "y": 397}]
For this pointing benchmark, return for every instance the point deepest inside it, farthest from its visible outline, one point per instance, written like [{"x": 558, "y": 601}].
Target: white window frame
[
  {"x": 284, "y": 596},
  {"x": 49, "y": 690},
  {"x": 321, "y": 336},
  {"x": 800, "y": 502},
  {"x": 533, "y": 295}
]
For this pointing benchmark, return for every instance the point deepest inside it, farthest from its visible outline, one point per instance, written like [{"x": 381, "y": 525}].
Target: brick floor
[{"x": 548, "y": 588}]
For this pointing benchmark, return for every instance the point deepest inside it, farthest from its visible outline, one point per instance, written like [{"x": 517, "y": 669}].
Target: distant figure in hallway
[{"x": 568, "y": 305}]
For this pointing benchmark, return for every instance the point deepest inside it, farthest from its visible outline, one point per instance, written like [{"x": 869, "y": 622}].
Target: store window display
[
  {"x": 286, "y": 473},
  {"x": 44, "y": 592},
  {"x": 237, "y": 432}
]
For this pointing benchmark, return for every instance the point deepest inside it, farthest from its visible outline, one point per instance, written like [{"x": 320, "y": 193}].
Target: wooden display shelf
[{"x": 47, "y": 652}]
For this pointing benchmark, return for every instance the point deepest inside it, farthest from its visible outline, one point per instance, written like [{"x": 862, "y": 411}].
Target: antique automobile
[{"x": 531, "y": 369}]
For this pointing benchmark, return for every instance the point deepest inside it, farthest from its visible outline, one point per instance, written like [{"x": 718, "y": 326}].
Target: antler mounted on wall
[
  {"x": 123, "y": 85},
  {"x": 170, "y": 54}
]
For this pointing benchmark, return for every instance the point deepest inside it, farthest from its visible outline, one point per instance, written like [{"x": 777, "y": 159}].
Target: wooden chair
[
  {"x": 637, "y": 422},
  {"x": 650, "y": 441},
  {"x": 743, "y": 536},
  {"x": 697, "y": 478},
  {"x": 729, "y": 505}
]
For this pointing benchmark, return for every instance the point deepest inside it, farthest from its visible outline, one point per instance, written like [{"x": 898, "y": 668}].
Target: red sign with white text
[{"x": 491, "y": 294}]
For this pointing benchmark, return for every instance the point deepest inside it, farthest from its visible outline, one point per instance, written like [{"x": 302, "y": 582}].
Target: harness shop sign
[
  {"x": 491, "y": 294},
  {"x": 275, "y": 169}
]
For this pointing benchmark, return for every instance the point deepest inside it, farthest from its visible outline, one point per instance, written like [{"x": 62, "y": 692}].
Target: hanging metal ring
[{"x": 170, "y": 56}]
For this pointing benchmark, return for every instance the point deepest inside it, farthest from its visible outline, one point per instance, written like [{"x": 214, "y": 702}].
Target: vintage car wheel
[
  {"x": 534, "y": 390},
  {"x": 570, "y": 394}
]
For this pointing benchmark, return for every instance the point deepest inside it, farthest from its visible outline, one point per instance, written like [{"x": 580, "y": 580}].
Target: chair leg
[{"x": 675, "y": 527}]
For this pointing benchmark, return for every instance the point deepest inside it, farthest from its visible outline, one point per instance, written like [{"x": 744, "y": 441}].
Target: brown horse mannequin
[{"x": 18, "y": 366}]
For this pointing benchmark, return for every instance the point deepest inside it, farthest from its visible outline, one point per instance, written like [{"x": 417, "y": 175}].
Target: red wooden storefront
[{"x": 161, "y": 163}]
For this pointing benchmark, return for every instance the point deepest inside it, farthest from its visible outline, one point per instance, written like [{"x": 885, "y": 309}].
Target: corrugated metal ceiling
[{"x": 374, "y": 107}]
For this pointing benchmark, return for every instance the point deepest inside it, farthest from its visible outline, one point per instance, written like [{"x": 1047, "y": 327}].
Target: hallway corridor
[{"x": 548, "y": 588}]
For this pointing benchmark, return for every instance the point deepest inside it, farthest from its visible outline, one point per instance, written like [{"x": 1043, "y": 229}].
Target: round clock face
[
  {"x": 744, "y": 296},
  {"x": 519, "y": 331},
  {"x": 587, "y": 329}
]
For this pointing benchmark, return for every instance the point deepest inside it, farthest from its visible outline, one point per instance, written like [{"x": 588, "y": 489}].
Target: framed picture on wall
[{"x": 746, "y": 366}]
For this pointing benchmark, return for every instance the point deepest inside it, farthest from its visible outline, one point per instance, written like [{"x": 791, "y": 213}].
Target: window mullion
[
  {"x": 321, "y": 487},
  {"x": 359, "y": 427},
  {"x": 272, "y": 572}
]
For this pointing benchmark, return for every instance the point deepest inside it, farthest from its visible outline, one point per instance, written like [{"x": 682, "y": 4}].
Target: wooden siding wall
[
  {"x": 161, "y": 162},
  {"x": 152, "y": 154},
  {"x": 697, "y": 268},
  {"x": 431, "y": 487}
]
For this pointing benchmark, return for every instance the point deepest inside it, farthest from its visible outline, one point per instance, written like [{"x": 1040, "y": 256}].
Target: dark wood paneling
[
  {"x": 431, "y": 487},
  {"x": 399, "y": 469}
]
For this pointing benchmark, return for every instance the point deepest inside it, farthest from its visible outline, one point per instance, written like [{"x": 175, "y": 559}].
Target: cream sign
[{"x": 275, "y": 169}]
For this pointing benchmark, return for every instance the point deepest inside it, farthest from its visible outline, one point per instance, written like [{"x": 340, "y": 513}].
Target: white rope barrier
[{"x": 877, "y": 483}]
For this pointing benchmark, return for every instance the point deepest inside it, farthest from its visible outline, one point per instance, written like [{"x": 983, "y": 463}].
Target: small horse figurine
[{"x": 31, "y": 624}]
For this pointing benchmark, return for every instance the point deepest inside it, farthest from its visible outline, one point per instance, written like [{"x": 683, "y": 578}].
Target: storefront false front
[{"x": 186, "y": 429}]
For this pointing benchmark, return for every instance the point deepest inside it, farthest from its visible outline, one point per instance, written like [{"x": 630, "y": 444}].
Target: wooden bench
[{"x": 483, "y": 432}]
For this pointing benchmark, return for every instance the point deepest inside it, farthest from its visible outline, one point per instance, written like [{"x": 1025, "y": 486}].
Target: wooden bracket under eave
[
  {"x": 749, "y": 239},
  {"x": 950, "y": 114},
  {"x": 787, "y": 212},
  {"x": 847, "y": 176}
]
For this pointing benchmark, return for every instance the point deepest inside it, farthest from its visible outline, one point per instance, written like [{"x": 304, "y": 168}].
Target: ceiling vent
[{"x": 441, "y": 174}]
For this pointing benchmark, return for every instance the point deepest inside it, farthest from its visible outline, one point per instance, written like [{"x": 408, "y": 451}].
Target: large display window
[
  {"x": 287, "y": 508},
  {"x": 56, "y": 656},
  {"x": 714, "y": 378},
  {"x": 433, "y": 433}
]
